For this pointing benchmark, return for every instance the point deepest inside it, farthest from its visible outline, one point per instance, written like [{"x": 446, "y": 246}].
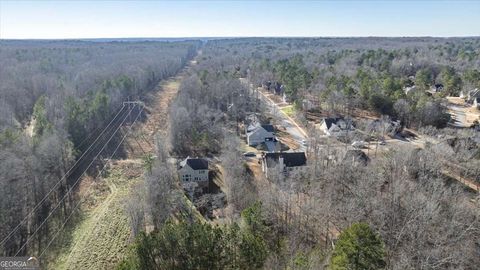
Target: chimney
[{"x": 280, "y": 162}]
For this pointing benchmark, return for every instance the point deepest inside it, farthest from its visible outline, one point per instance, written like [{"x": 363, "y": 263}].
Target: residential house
[
  {"x": 336, "y": 126},
  {"x": 258, "y": 134},
  {"x": 476, "y": 103},
  {"x": 436, "y": 88},
  {"x": 385, "y": 127},
  {"x": 194, "y": 169},
  {"x": 266, "y": 85},
  {"x": 278, "y": 88},
  {"x": 283, "y": 162}
]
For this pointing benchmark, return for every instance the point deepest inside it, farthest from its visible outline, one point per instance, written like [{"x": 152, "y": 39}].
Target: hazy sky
[{"x": 94, "y": 19}]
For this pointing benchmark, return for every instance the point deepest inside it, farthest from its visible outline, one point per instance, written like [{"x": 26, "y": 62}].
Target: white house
[
  {"x": 193, "y": 169},
  {"x": 258, "y": 134},
  {"x": 283, "y": 162},
  {"x": 335, "y": 126}
]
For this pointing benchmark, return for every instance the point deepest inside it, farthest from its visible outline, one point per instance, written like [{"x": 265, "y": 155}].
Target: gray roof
[
  {"x": 271, "y": 146},
  {"x": 330, "y": 121},
  {"x": 290, "y": 159},
  {"x": 255, "y": 126},
  {"x": 268, "y": 128},
  {"x": 195, "y": 163}
]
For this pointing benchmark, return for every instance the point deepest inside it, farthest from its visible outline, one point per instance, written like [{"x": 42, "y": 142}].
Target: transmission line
[
  {"x": 59, "y": 181},
  {"x": 80, "y": 201},
  {"x": 73, "y": 186}
]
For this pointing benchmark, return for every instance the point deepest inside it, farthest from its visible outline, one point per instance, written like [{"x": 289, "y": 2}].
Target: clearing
[{"x": 100, "y": 239}]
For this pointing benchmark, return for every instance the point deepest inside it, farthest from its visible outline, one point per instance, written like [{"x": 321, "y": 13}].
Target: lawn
[{"x": 290, "y": 111}]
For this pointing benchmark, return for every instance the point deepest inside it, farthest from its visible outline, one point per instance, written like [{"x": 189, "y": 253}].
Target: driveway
[
  {"x": 297, "y": 133},
  {"x": 463, "y": 114}
]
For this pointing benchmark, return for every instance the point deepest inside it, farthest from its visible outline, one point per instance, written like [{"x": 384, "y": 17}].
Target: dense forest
[
  {"x": 363, "y": 72},
  {"x": 56, "y": 98},
  {"x": 397, "y": 212}
]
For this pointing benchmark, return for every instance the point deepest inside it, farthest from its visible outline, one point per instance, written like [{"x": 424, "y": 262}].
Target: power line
[
  {"x": 76, "y": 182},
  {"x": 59, "y": 181},
  {"x": 80, "y": 201},
  {"x": 96, "y": 129},
  {"x": 73, "y": 186}
]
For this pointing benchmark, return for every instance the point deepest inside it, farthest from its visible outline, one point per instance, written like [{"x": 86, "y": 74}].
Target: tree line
[{"x": 56, "y": 98}]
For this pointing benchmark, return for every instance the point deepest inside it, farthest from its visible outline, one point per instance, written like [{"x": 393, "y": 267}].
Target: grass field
[{"x": 102, "y": 236}]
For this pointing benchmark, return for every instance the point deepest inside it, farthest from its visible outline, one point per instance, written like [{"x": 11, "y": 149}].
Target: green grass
[{"x": 290, "y": 111}]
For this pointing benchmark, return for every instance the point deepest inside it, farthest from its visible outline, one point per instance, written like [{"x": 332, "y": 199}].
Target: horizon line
[{"x": 231, "y": 37}]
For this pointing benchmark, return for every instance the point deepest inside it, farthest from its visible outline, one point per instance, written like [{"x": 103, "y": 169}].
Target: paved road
[{"x": 297, "y": 133}]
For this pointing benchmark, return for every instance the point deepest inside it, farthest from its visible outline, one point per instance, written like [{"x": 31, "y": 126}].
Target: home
[
  {"x": 385, "y": 127},
  {"x": 194, "y": 169},
  {"x": 283, "y": 162},
  {"x": 266, "y": 85},
  {"x": 336, "y": 126},
  {"x": 258, "y": 134},
  {"x": 278, "y": 88},
  {"x": 438, "y": 87}
]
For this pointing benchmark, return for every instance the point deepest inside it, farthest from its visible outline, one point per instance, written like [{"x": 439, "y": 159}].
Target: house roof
[
  {"x": 330, "y": 121},
  {"x": 268, "y": 128},
  {"x": 255, "y": 127},
  {"x": 290, "y": 159},
  {"x": 195, "y": 163},
  {"x": 271, "y": 145}
]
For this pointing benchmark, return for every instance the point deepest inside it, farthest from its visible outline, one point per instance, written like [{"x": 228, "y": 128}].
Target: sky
[{"x": 123, "y": 18}]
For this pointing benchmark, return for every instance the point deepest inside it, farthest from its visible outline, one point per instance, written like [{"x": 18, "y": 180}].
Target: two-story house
[
  {"x": 193, "y": 169},
  {"x": 336, "y": 126},
  {"x": 258, "y": 134},
  {"x": 283, "y": 162}
]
